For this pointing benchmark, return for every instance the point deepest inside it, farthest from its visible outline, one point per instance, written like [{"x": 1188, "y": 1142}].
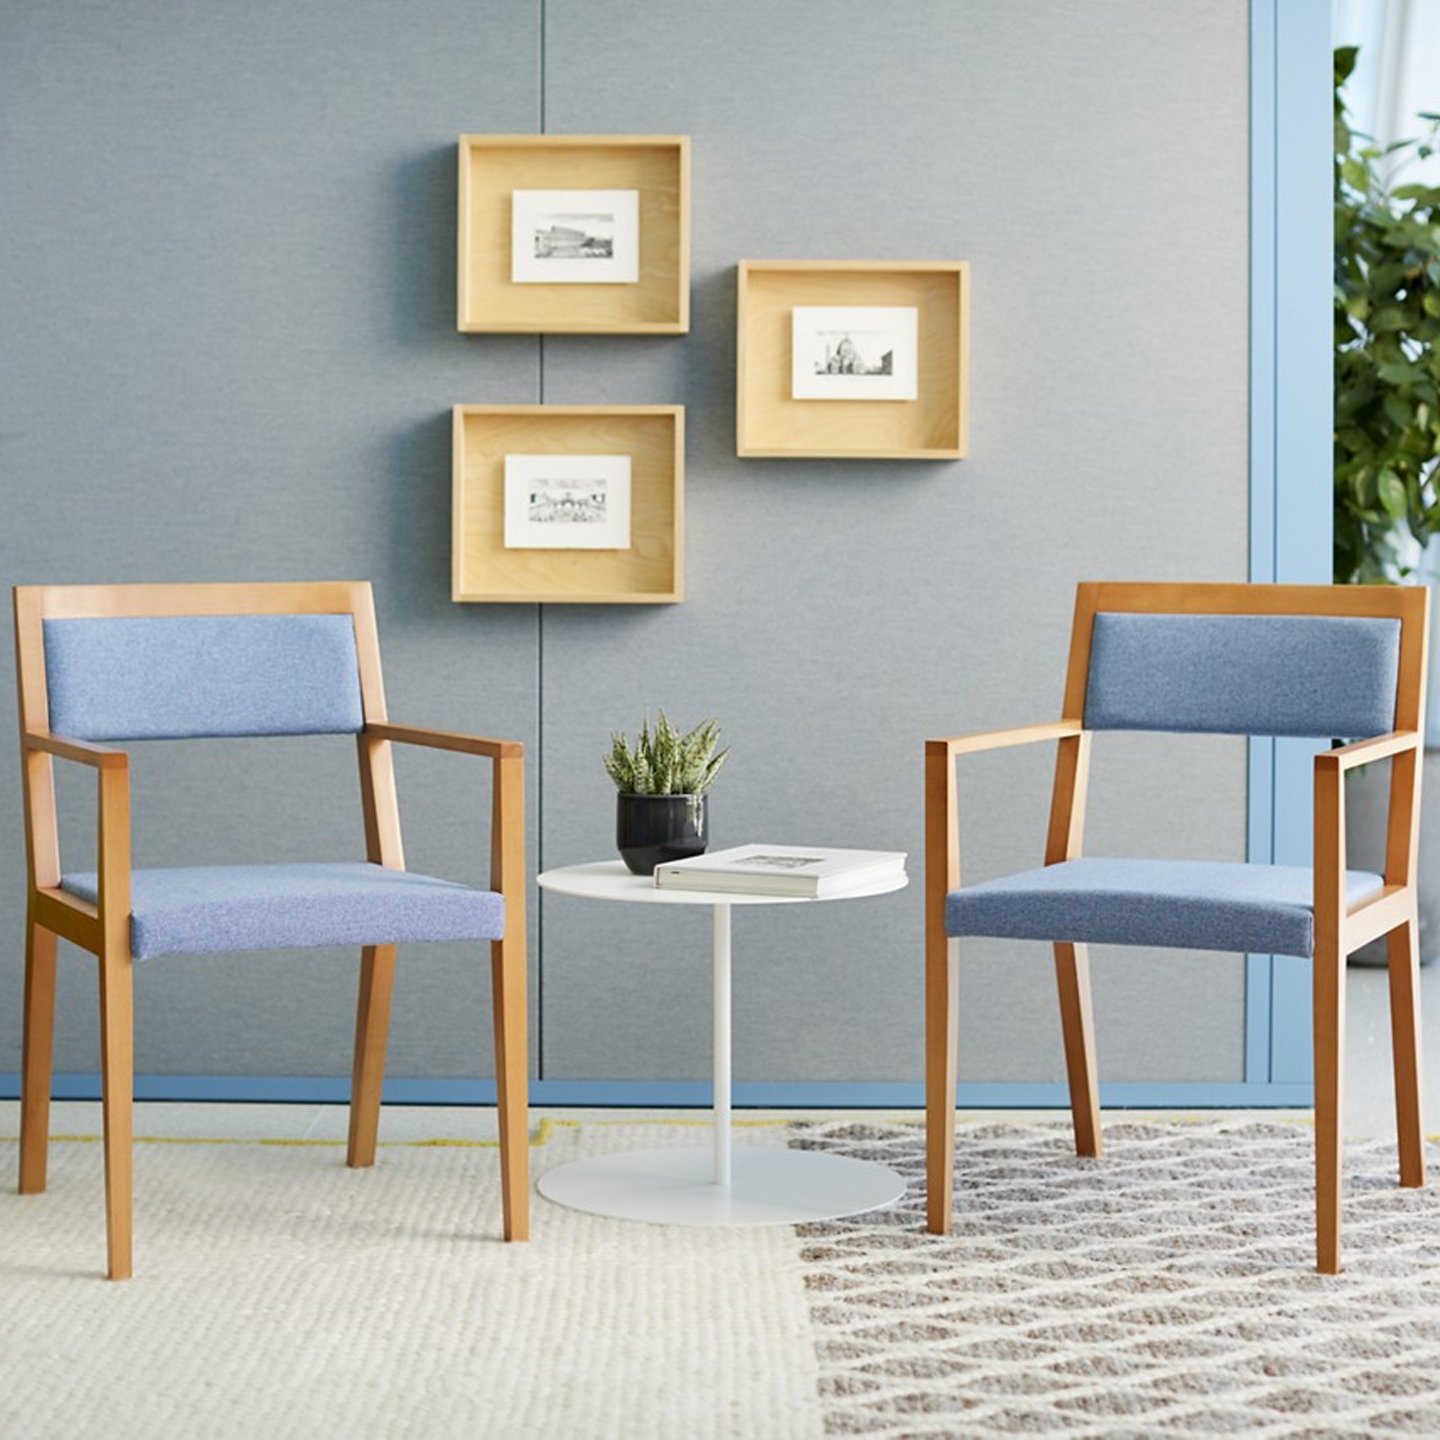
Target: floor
[
  {"x": 1369, "y": 1099},
  {"x": 1369, "y": 1096},
  {"x": 569, "y": 1308}
]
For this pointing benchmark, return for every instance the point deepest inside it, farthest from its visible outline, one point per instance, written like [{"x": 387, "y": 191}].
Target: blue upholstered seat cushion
[
  {"x": 1176, "y": 904},
  {"x": 209, "y": 909}
]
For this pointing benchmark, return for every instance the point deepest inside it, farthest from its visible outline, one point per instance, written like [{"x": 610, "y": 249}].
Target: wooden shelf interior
[
  {"x": 493, "y": 166},
  {"x": 650, "y": 571},
  {"x": 770, "y": 422}
]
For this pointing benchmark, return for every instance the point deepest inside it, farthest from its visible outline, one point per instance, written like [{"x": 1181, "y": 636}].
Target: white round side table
[{"x": 715, "y": 1185}]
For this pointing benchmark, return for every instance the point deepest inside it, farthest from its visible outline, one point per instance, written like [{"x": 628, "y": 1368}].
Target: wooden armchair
[
  {"x": 102, "y": 663},
  {"x": 1315, "y": 661}
]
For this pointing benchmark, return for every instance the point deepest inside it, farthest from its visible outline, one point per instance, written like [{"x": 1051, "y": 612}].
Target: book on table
[{"x": 808, "y": 871}]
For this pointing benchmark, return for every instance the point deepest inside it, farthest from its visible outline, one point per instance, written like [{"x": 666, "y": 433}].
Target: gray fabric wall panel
[
  {"x": 229, "y": 350},
  {"x": 840, "y": 612}
]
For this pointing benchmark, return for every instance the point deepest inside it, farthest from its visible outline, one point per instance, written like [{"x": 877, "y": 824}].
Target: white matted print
[
  {"x": 575, "y": 237},
  {"x": 854, "y": 352},
  {"x": 567, "y": 502}
]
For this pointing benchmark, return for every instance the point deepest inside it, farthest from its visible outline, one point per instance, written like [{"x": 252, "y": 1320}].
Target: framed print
[
  {"x": 575, "y": 237},
  {"x": 854, "y": 352},
  {"x": 812, "y": 331},
  {"x": 569, "y": 270},
  {"x": 538, "y": 442},
  {"x": 567, "y": 502}
]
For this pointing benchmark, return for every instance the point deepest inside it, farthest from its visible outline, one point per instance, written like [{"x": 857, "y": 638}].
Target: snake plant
[{"x": 665, "y": 762}]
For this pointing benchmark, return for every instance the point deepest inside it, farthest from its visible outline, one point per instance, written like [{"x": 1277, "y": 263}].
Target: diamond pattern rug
[{"x": 1164, "y": 1290}]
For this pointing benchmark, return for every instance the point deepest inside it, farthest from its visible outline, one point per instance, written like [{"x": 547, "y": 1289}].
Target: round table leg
[
  {"x": 721, "y": 1095},
  {"x": 762, "y": 1185}
]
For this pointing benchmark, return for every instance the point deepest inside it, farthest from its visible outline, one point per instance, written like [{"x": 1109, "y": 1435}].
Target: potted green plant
[
  {"x": 1387, "y": 369},
  {"x": 663, "y": 780},
  {"x": 1387, "y": 409}
]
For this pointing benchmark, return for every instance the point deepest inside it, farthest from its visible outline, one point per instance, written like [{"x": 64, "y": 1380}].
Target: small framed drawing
[
  {"x": 567, "y": 502},
  {"x": 575, "y": 237},
  {"x": 854, "y": 352}
]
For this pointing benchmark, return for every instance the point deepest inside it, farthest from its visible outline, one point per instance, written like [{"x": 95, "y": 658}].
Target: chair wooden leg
[
  {"x": 1072, "y": 973},
  {"x": 36, "y": 1064},
  {"x": 1404, "y": 955},
  {"x": 372, "y": 1028},
  {"x": 1329, "y": 996},
  {"x": 117, "y": 1075},
  {"x": 941, "y": 1014},
  {"x": 512, "y": 1084}
]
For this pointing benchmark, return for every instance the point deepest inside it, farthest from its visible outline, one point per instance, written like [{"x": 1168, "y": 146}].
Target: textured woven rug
[{"x": 1165, "y": 1290}]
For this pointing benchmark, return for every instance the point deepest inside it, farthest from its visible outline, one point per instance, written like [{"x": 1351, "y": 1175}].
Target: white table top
[{"x": 611, "y": 880}]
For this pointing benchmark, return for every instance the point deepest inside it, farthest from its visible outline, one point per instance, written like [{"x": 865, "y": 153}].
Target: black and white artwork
[
  {"x": 854, "y": 352},
  {"x": 781, "y": 862},
  {"x": 567, "y": 502},
  {"x": 575, "y": 237}
]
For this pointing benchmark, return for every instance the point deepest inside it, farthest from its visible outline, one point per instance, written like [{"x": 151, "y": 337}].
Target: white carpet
[{"x": 279, "y": 1294}]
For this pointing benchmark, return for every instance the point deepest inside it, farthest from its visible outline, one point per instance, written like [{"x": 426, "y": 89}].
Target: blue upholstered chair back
[
  {"x": 185, "y": 676},
  {"x": 1320, "y": 676}
]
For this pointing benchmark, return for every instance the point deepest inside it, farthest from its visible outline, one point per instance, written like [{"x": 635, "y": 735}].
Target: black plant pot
[{"x": 651, "y": 829}]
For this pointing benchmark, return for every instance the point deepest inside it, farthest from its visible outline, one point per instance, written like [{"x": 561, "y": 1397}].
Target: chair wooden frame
[
  {"x": 1339, "y": 928},
  {"x": 104, "y": 929}
]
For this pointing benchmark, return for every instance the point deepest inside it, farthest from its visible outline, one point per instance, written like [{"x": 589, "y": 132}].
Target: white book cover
[{"x": 781, "y": 869}]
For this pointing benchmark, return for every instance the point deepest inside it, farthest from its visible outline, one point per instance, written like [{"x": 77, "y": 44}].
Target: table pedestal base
[{"x": 769, "y": 1186}]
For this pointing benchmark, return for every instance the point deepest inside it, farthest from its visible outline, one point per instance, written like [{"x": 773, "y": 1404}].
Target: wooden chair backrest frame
[
  {"x": 34, "y": 604},
  {"x": 1407, "y": 604}
]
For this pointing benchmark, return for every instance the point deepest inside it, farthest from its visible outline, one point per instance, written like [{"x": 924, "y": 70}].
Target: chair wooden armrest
[
  {"x": 1067, "y": 810},
  {"x": 445, "y": 740},
  {"x": 1363, "y": 752},
  {"x": 100, "y": 757},
  {"x": 1002, "y": 739},
  {"x": 942, "y": 839},
  {"x": 507, "y": 807},
  {"x": 1380, "y": 912},
  {"x": 67, "y": 915}
]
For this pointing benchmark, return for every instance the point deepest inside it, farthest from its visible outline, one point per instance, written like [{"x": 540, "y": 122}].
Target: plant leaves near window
[{"x": 1387, "y": 366}]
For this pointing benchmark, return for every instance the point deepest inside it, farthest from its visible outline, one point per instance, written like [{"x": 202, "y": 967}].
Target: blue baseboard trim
[{"x": 681, "y": 1094}]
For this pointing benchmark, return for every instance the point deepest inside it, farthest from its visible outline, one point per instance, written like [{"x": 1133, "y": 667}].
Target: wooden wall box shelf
[
  {"x": 769, "y": 422},
  {"x": 651, "y": 571},
  {"x": 493, "y": 166}
]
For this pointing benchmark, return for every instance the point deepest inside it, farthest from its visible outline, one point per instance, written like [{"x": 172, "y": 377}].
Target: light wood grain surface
[
  {"x": 769, "y": 422},
  {"x": 650, "y": 571},
  {"x": 492, "y": 167}
]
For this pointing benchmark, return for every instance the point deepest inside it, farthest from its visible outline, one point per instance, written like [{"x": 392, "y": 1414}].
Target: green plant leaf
[
  {"x": 1386, "y": 444},
  {"x": 1392, "y": 494},
  {"x": 1398, "y": 372},
  {"x": 663, "y": 761}
]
